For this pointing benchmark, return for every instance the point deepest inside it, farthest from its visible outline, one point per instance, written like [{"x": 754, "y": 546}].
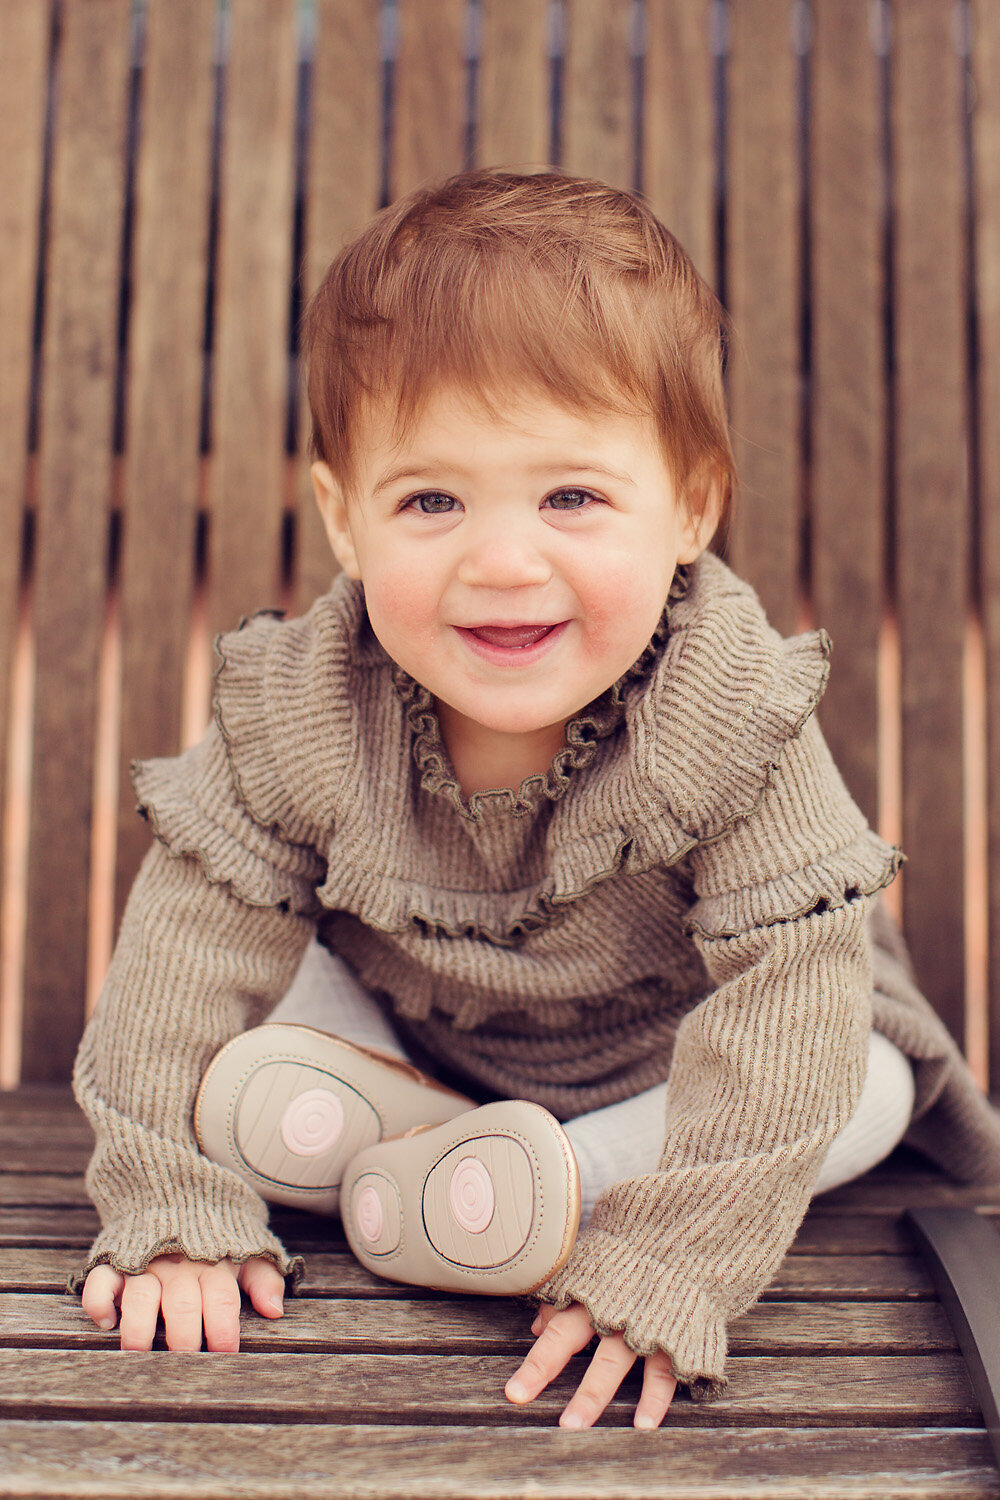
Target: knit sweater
[{"x": 688, "y": 893}]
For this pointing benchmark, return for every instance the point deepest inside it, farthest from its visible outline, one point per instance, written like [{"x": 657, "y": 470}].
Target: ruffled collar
[{"x": 596, "y": 722}]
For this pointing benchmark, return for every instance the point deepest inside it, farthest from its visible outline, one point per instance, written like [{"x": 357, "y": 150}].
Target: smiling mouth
[{"x": 510, "y": 637}]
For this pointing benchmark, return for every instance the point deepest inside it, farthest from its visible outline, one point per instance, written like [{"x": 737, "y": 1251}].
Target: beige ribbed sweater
[{"x": 688, "y": 892}]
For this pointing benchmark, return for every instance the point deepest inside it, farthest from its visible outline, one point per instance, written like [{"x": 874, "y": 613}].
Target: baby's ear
[
  {"x": 700, "y": 510},
  {"x": 333, "y": 508}
]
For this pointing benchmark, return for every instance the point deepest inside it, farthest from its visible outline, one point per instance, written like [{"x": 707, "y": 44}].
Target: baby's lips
[{"x": 511, "y": 636}]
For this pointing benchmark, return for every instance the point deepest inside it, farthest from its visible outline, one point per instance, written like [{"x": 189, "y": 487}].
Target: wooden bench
[{"x": 171, "y": 185}]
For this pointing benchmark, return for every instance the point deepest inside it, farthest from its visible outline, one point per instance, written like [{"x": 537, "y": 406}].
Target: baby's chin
[{"x": 512, "y": 720}]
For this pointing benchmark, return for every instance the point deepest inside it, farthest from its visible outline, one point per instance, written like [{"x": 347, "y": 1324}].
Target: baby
[{"x": 535, "y": 798}]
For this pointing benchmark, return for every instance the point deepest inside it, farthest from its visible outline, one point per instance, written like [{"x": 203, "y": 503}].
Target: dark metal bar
[{"x": 963, "y": 1254}]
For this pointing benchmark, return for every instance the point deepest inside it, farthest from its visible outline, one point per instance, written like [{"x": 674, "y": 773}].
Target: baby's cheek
[
  {"x": 624, "y": 606},
  {"x": 398, "y": 602}
]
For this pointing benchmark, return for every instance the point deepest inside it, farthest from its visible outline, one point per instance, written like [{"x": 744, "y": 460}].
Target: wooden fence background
[{"x": 175, "y": 176}]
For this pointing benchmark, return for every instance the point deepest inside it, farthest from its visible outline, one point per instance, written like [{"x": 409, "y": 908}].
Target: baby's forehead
[{"x": 392, "y": 424}]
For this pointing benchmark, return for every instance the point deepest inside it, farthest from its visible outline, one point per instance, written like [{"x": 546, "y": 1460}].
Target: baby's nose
[{"x": 503, "y": 558}]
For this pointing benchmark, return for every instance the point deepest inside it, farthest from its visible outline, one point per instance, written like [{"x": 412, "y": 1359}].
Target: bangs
[{"x": 501, "y": 286}]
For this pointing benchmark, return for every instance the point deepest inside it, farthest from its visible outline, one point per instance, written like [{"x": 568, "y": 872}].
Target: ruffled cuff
[
  {"x": 633, "y": 1294},
  {"x": 195, "y": 1231}
]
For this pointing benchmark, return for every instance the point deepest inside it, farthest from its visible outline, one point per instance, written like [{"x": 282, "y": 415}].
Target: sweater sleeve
[
  {"x": 766, "y": 1071},
  {"x": 214, "y": 929}
]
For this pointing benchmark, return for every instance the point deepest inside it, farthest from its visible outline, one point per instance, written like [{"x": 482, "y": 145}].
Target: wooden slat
[
  {"x": 324, "y": 1462},
  {"x": 250, "y": 389},
  {"x": 335, "y": 1273},
  {"x": 164, "y": 394},
  {"x": 932, "y": 521},
  {"x": 75, "y": 479},
  {"x": 864, "y": 1234},
  {"x": 800, "y": 1277},
  {"x": 847, "y": 398},
  {"x": 864, "y": 1390},
  {"x": 876, "y": 1193},
  {"x": 762, "y": 276},
  {"x": 24, "y": 44},
  {"x": 986, "y": 191},
  {"x": 344, "y": 181},
  {"x": 514, "y": 124},
  {"x": 73, "y": 1228},
  {"x": 24, "y": 1269},
  {"x": 597, "y": 135},
  {"x": 429, "y": 94},
  {"x": 347, "y": 1326},
  {"x": 678, "y": 168}
]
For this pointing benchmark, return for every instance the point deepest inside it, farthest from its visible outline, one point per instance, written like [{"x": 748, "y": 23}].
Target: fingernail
[
  {"x": 515, "y": 1391},
  {"x": 644, "y": 1422},
  {"x": 275, "y": 1304},
  {"x": 536, "y": 1326},
  {"x": 106, "y": 1323},
  {"x": 570, "y": 1419}
]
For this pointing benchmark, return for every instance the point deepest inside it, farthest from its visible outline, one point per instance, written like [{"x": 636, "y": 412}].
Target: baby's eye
[
  {"x": 431, "y": 503},
  {"x": 570, "y": 499}
]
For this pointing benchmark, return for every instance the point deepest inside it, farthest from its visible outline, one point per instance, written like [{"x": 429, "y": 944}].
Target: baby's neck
[{"x": 484, "y": 759}]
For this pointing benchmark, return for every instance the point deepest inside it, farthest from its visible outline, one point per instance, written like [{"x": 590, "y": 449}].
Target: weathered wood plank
[
  {"x": 428, "y": 118},
  {"x": 863, "y": 1278},
  {"x": 325, "y": 1462},
  {"x": 22, "y": 1189},
  {"x": 597, "y": 134},
  {"x": 39, "y": 1103},
  {"x": 335, "y": 1273},
  {"x": 23, "y": 65},
  {"x": 932, "y": 499},
  {"x": 468, "y": 1326},
  {"x": 250, "y": 387},
  {"x": 73, "y": 1228},
  {"x": 763, "y": 276},
  {"x": 847, "y": 396},
  {"x": 986, "y": 196},
  {"x": 162, "y": 463},
  {"x": 344, "y": 180},
  {"x": 678, "y": 139},
  {"x": 54, "y": 1157},
  {"x": 868, "y": 1278},
  {"x": 44, "y": 1268},
  {"x": 880, "y": 1193},
  {"x": 866, "y": 1234},
  {"x": 514, "y": 127},
  {"x": 102, "y": 1384},
  {"x": 86, "y": 204}
]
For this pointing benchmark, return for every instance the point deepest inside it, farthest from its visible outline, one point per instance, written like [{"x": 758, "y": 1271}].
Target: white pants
[{"x": 626, "y": 1139}]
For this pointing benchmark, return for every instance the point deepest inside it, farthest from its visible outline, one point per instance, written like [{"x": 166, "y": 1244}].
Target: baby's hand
[
  {"x": 560, "y": 1335},
  {"x": 190, "y": 1292}
]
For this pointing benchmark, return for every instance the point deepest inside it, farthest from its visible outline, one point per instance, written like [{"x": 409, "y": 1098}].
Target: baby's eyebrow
[{"x": 567, "y": 466}]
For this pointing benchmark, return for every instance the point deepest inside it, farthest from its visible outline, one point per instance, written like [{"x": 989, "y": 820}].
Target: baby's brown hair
[{"x": 495, "y": 281}]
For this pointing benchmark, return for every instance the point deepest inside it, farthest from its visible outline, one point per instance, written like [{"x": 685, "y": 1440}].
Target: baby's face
[{"x": 515, "y": 568}]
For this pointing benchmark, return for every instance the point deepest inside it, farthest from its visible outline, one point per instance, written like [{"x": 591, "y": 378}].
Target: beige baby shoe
[
  {"x": 286, "y": 1107},
  {"x": 488, "y": 1202}
]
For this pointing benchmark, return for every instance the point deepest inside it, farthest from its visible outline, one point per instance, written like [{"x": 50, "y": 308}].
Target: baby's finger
[
  {"x": 264, "y": 1285},
  {"x": 543, "y": 1318},
  {"x": 140, "y": 1304},
  {"x": 605, "y": 1374},
  {"x": 220, "y": 1308},
  {"x": 658, "y": 1387},
  {"x": 101, "y": 1291},
  {"x": 181, "y": 1301},
  {"x": 565, "y": 1335}
]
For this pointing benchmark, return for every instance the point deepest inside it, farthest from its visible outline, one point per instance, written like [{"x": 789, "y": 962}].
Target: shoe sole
[
  {"x": 488, "y": 1204},
  {"x": 286, "y": 1107}
]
